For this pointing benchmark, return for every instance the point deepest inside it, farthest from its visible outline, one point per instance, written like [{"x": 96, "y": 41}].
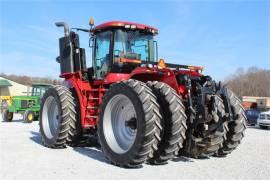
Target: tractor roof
[
  {"x": 41, "y": 84},
  {"x": 123, "y": 24}
]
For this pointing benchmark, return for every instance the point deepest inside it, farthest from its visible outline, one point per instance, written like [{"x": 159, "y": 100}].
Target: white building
[
  {"x": 262, "y": 103},
  {"x": 11, "y": 88}
]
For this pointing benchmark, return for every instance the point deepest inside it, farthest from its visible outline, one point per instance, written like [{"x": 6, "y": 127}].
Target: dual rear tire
[
  {"x": 228, "y": 133},
  {"x": 129, "y": 126},
  {"x": 173, "y": 122},
  {"x": 235, "y": 126},
  {"x": 205, "y": 143},
  {"x": 141, "y": 123}
]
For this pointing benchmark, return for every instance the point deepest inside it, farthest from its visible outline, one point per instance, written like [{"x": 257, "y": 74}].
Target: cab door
[{"x": 102, "y": 54}]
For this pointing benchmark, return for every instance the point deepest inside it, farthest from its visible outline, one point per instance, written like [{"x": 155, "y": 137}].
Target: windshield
[
  {"x": 39, "y": 91},
  {"x": 134, "y": 45},
  {"x": 35, "y": 91}
]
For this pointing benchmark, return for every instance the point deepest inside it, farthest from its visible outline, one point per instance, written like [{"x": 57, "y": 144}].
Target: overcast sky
[{"x": 219, "y": 35}]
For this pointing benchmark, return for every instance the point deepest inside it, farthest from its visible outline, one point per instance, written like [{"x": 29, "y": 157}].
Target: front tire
[
  {"x": 57, "y": 115},
  {"x": 28, "y": 116},
  {"x": 129, "y": 124}
]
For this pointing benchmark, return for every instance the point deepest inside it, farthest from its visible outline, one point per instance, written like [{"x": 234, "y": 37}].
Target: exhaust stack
[{"x": 66, "y": 27}]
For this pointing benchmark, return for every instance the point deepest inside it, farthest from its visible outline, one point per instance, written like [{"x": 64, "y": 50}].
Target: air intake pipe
[{"x": 66, "y": 27}]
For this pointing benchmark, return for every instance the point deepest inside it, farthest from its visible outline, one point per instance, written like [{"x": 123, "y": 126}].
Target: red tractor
[{"x": 140, "y": 109}]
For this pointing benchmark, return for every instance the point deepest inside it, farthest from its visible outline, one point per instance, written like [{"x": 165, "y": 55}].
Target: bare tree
[
  {"x": 252, "y": 82},
  {"x": 27, "y": 80}
]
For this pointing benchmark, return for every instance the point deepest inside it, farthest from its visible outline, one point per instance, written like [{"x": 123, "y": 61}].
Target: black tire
[
  {"x": 209, "y": 144},
  {"x": 75, "y": 126},
  {"x": 263, "y": 127},
  {"x": 7, "y": 116},
  {"x": 36, "y": 117},
  {"x": 28, "y": 116},
  {"x": 235, "y": 128},
  {"x": 148, "y": 125},
  {"x": 66, "y": 117},
  {"x": 173, "y": 122}
]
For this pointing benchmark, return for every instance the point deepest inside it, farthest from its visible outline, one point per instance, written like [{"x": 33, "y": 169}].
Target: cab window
[{"x": 102, "y": 54}]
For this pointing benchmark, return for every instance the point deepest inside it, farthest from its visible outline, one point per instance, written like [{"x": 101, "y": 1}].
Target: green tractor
[{"x": 28, "y": 106}]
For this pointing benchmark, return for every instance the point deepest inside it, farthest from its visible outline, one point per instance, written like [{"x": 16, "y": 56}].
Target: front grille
[
  {"x": 265, "y": 124},
  {"x": 27, "y": 103}
]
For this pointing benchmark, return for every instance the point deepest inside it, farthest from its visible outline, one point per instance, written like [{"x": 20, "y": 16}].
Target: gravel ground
[{"x": 23, "y": 157}]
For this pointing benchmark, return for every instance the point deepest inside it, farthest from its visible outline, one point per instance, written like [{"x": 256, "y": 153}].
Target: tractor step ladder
[
  {"x": 92, "y": 98},
  {"x": 92, "y": 107},
  {"x": 93, "y": 104},
  {"x": 91, "y": 116}
]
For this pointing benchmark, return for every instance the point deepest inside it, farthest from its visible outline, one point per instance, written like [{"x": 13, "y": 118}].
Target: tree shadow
[
  {"x": 92, "y": 152},
  {"x": 95, "y": 153},
  {"x": 91, "y": 149},
  {"x": 88, "y": 147}
]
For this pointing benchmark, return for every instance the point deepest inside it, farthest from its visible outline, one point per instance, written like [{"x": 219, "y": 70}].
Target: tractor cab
[
  {"x": 39, "y": 89},
  {"x": 119, "y": 47}
]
